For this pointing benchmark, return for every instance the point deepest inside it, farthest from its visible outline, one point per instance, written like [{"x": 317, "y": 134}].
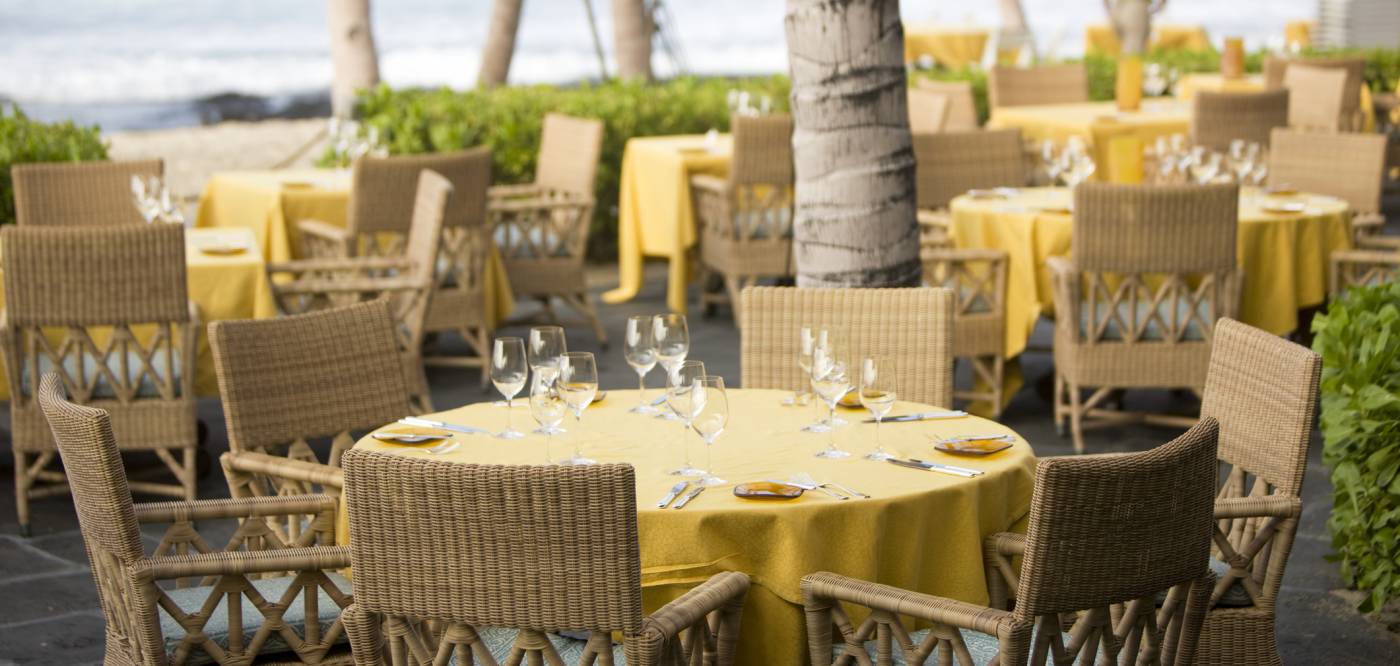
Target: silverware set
[
  {"x": 930, "y": 466},
  {"x": 675, "y": 492},
  {"x": 923, "y": 416},
  {"x": 410, "y": 439},
  {"x": 452, "y": 427},
  {"x": 806, "y": 482}
]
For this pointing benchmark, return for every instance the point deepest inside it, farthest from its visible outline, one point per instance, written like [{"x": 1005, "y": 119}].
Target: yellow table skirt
[
  {"x": 921, "y": 531},
  {"x": 1189, "y": 84},
  {"x": 953, "y": 48},
  {"x": 1058, "y": 122},
  {"x": 1102, "y": 39}
]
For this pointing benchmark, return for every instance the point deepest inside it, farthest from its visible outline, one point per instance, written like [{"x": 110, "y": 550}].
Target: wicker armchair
[
  {"x": 928, "y": 111},
  {"x": 1263, "y": 391},
  {"x": 951, "y": 163},
  {"x": 1108, "y": 536},
  {"x": 746, "y": 220},
  {"x": 1217, "y": 118},
  {"x": 1045, "y": 84},
  {"x": 912, "y": 326},
  {"x": 1350, "y": 167},
  {"x": 977, "y": 278},
  {"x": 962, "y": 109},
  {"x": 1358, "y": 268},
  {"x": 79, "y": 193},
  {"x": 106, "y": 308},
  {"x": 153, "y": 624},
  {"x": 524, "y": 553},
  {"x": 1152, "y": 269},
  {"x": 542, "y": 227},
  {"x": 1315, "y": 97},
  {"x": 1276, "y": 74}
]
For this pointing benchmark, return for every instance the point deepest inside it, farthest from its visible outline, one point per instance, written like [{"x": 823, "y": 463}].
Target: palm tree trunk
[
  {"x": 1132, "y": 20},
  {"x": 500, "y": 43},
  {"x": 352, "y": 53},
  {"x": 632, "y": 39},
  {"x": 854, "y": 160},
  {"x": 1015, "y": 33}
]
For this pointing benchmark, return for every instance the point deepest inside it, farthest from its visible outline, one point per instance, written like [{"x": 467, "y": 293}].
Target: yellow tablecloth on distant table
[
  {"x": 654, "y": 217},
  {"x": 270, "y": 203},
  {"x": 1058, "y": 122},
  {"x": 1283, "y": 256},
  {"x": 1189, "y": 84},
  {"x": 1102, "y": 39},
  {"x": 224, "y": 286},
  {"x": 922, "y": 531},
  {"x": 953, "y": 48}
]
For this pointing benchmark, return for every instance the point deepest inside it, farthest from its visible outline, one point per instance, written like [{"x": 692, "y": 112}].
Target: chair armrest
[
  {"x": 705, "y": 181},
  {"x": 249, "y": 562},
  {"x": 322, "y": 239},
  {"x": 171, "y": 512},
  {"x": 325, "y": 231},
  {"x": 1007, "y": 544},
  {"x": 1379, "y": 242},
  {"x": 961, "y": 254},
  {"x": 284, "y": 468},
  {"x": 546, "y": 200},
  {"x": 928, "y": 217},
  {"x": 341, "y": 264},
  {"x": 518, "y": 190},
  {"x": 721, "y": 590},
  {"x": 927, "y": 607},
  {"x": 351, "y": 285},
  {"x": 1268, "y": 506}
]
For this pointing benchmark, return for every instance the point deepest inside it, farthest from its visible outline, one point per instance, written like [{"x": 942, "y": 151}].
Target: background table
[
  {"x": 1189, "y": 84},
  {"x": 1058, "y": 122},
  {"x": 921, "y": 531},
  {"x": 950, "y": 47}
]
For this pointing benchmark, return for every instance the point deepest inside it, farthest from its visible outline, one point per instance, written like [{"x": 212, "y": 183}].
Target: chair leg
[
  {"x": 187, "y": 478},
  {"x": 1076, "y": 417},
  {"x": 592, "y": 313},
  {"x": 1059, "y": 401},
  {"x": 22, "y": 483},
  {"x": 483, "y": 345},
  {"x": 998, "y": 384}
]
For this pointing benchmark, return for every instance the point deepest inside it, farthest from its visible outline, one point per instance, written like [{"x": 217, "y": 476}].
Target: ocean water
[{"x": 141, "y": 63}]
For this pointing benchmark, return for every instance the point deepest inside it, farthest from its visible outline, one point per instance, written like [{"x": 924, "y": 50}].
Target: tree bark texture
[
  {"x": 1014, "y": 32},
  {"x": 353, "y": 57},
  {"x": 500, "y": 43},
  {"x": 1132, "y": 20},
  {"x": 853, "y": 155},
  {"x": 632, "y": 30}
]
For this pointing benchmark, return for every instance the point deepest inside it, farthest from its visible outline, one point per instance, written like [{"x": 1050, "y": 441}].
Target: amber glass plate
[
  {"x": 767, "y": 490},
  {"x": 976, "y": 447}
]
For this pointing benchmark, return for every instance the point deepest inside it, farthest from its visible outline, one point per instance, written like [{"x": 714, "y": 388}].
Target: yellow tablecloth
[
  {"x": 1189, "y": 84},
  {"x": 655, "y": 217},
  {"x": 1058, "y": 122},
  {"x": 921, "y": 531},
  {"x": 270, "y": 203},
  {"x": 224, "y": 286},
  {"x": 1283, "y": 256},
  {"x": 953, "y": 48},
  {"x": 1102, "y": 39}
]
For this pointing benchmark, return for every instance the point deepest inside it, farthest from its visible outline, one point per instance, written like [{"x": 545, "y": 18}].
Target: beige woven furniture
[
  {"x": 962, "y": 109},
  {"x": 746, "y": 220},
  {"x": 1151, "y": 270},
  {"x": 1263, "y": 391},
  {"x": 1362, "y": 267},
  {"x": 1349, "y": 166},
  {"x": 1217, "y": 118},
  {"x": 522, "y": 553},
  {"x": 1276, "y": 74},
  {"x": 107, "y": 309},
  {"x": 295, "y": 599},
  {"x": 405, "y": 279},
  {"x": 977, "y": 278},
  {"x": 914, "y": 327},
  {"x": 1107, "y": 536},
  {"x": 951, "y": 163},
  {"x": 71, "y": 194},
  {"x": 928, "y": 111},
  {"x": 542, "y": 227},
  {"x": 1045, "y": 84},
  {"x": 1315, "y": 99}
]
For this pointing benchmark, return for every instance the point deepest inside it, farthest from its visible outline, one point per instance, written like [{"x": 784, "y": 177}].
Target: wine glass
[
  {"x": 1205, "y": 166},
  {"x": 508, "y": 373},
  {"x": 547, "y": 406},
  {"x": 830, "y": 382},
  {"x": 672, "y": 339},
  {"x": 1051, "y": 161},
  {"x": 145, "y": 192},
  {"x": 679, "y": 397},
  {"x": 877, "y": 393},
  {"x": 639, "y": 347},
  {"x": 1260, "y": 173},
  {"x": 821, "y": 338},
  {"x": 545, "y": 346},
  {"x": 578, "y": 383},
  {"x": 806, "y": 340},
  {"x": 710, "y": 418}
]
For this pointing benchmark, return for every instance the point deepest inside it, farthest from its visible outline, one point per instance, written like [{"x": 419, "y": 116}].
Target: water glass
[
  {"x": 877, "y": 394},
  {"x": 578, "y": 383},
  {"x": 545, "y": 346},
  {"x": 547, "y": 406},
  {"x": 639, "y": 347},
  {"x": 830, "y": 382},
  {"x": 508, "y": 373},
  {"x": 710, "y": 420},
  {"x": 679, "y": 398},
  {"x": 672, "y": 339}
]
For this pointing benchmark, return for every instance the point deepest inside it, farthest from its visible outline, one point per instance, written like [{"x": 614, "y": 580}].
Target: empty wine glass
[
  {"x": 806, "y": 339},
  {"x": 709, "y": 420},
  {"x": 639, "y": 348},
  {"x": 578, "y": 383},
  {"x": 680, "y": 383},
  {"x": 547, "y": 406},
  {"x": 1050, "y": 159},
  {"x": 145, "y": 193},
  {"x": 830, "y": 382},
  {"x": 672, "y": 339},
  {"x": 1259, "y": 174},
  {"x": 1205, "y": 165},
  {"x": 545, "y": 346},
  {"x": 508, "y": 373},
  {"x": 821, "y": 338},
  {"x": 877, "y": 394}
]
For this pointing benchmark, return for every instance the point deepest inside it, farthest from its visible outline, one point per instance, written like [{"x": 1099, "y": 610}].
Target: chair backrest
[
  {"x": 928, "y": 111},
  {"x": 762, "y": 150},
  {"x": 962, "y": 108},
  {"x": 79, "y": 193},
  {"x": 425, "y": 237},
  {"x": 384, "y": 190},
  {"x": 1045, "y": 84},
  {"x": 912, "y": 326},
  {"x": 525, "y": 547},
  {"x": 1179, "y": 229},
  {"x": 1217, "y": 118},
  {"x": 951, "y": 163},
  {"x": 1349, "y": 166},
  {"x": 1316, "y": 97},
  {"x": 569, "y": 152},
  {"x": 1276, "y": 74}
]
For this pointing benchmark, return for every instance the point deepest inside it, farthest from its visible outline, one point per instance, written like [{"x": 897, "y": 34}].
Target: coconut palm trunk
[
  {"x": 1132, "y": 21},
  {"x": 854, "y": 160},
  {"x": 352, "y": 53},
  {"x": 1015, "y": 33},
  {"x": 632, "y": 30},
  {"x": 500, "y": 43}
]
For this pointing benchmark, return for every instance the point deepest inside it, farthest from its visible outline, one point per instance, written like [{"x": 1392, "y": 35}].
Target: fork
[{"x": 806, "y": 482}]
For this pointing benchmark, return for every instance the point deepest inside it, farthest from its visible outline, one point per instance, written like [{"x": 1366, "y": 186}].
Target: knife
[
  {"x": 692, "y": 495},
  {"x": 933, "y": 468},
  {"x": 925, "y": 416},
  {"x": 675, "y": 490},
  {"x": 425, "y": 423},
  {"x": 955, "y": 468}
]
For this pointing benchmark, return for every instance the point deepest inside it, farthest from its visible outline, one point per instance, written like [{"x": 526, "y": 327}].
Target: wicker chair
[
  {"x": 153, "y": 624},
  {"x": 951, "y": 163},
  {"x": 406, "y": 280},
  {"x": 1276, "y": 73},
  {"x": 962, "y": 109},
  {"x": 1046, "y": 84},
  {"x": 1217, "y": 118},
  {"x": 1362, "y": 268},
  {"x": 107, "y": 309},
  {"x": 928, "y": 111},
  {"x": 746, "y": 220},
  {"x": 1152, "y": 268},
  {"x": 542, "y": 227},
  {"x": 525, "y": 552},
  {"x": 288, "y": 381},
  {"x": 1349, "y": 166},
  {"x": 977, "y": 278},
  {"x": 1107, "y": 536},
  {"x": 79, "y": 193},
  {"x": 1315, "y": 97},
  {"x": 912, "y": 326},
  {"x": 1263, "y": 391}
]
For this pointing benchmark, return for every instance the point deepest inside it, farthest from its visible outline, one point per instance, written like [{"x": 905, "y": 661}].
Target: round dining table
[{"x": 919, "y": 530}]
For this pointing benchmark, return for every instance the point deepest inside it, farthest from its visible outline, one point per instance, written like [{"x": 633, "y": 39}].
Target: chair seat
[
  {"x": 499, "y": 640},
  {"x": 145, "y": 387},
  {"x": 762, "y": 222},
  {"x": 1153, "y": 331},
  {"x": 553, "y": 244},
  {"x": 1235, "y": 596},
  {"x": 191, "y": 599}
]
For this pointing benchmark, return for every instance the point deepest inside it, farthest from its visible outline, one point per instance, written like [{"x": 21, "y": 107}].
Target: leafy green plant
[
  {"x": 25, "y": 140},
  {"x": 1359, "y": 340}
]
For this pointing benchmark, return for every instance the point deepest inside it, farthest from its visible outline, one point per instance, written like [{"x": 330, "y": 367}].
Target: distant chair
[
  {"x": 745, "y": 219},
  {"x": 1349, "y": 166},
  {"x": 1362, "y": 268},
  {"x": 1217, "y": 118},
  {"x": 951, "y": 163},
  {"x": 1152, "y": 268},
  {"x": 1316, "y": 97},
  {"x": 1046, "y": 84},
  {"x": 977, "y": 278},
  {"x": 470, "y": 595},
  {"x": 962, "y": 108},
  {"x": 1276, "y": 71},
  {"x": 69, "y": 194},
  {"x": 106, "y": 310},
  {"x": 928, "y": 111}
]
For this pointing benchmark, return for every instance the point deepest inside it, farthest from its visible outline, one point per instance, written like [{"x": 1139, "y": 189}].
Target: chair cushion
[
  {"x": 763, "y": 221},
  {"x": 1153, "y": 331},
  {"x": 554, "y": 245},
  {"x": 103, "y": 390},
  {"x": 1235, "y": 596},
  {"x": 498, "y": 641},
  {"x": 982, "y": 647}
]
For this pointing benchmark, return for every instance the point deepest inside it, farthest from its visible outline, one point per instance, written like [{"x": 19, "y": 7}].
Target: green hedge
[
  {"x": 25, "y": 140},
  {"x": 1359, "y": 340}
]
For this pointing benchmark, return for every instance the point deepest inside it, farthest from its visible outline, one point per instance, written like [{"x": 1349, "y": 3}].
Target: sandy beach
[{"x": 192, "y": 154}]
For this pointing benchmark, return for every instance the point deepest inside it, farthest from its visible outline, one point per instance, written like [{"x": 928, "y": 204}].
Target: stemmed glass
[
  {"x": 508, "y": 373},
  {"x": 639, "y": 347},
  {"x": 806, "y": 340},
  {"x": 1051, "y": 161},
  {"x": 830, "y": 382},
  {"x": 544, "y": 346},
  {"x": 547, "y": 406},
  {"x": 877, "y": 394},
  {"x": 1205, "y": 165},
  {"x": 578, "y": 383},
  {"x": 681, "y": 400},
  {"x": 672, "y": 340},
  {"x": 820, "y": 339},
  {"x": 710, "y": 419},
  {"x": 146, "y": 194}
]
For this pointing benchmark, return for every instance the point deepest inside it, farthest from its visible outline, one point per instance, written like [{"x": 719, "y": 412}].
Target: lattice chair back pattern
[
  {"x": 951, "y": 163},
  {"x": 70, "y": 194},
  {"x": 1357, "y": 268},
  {"x": 258, "y": 596},
  {"x": 1349, "y": 166},
  {"x": 1115, "y": 551},
  {"x": 977, "y": 279},
  {"x": 105, "y": 308},
  {"x": 1046, "y": 84},
  {"x": 527, "y": 551},
  {"x": 1217, "y": 118}
]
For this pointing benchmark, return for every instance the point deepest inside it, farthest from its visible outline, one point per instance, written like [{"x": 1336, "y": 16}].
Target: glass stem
[
  {"x": 510, "y": 402},
  {"x": 878, "y": 447},
  {"x": 685, "y": 450},
  {"x": 641, "y": 389},
  {"x": 709, "y": 458},
  {"x": 830, "y": 421}
]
